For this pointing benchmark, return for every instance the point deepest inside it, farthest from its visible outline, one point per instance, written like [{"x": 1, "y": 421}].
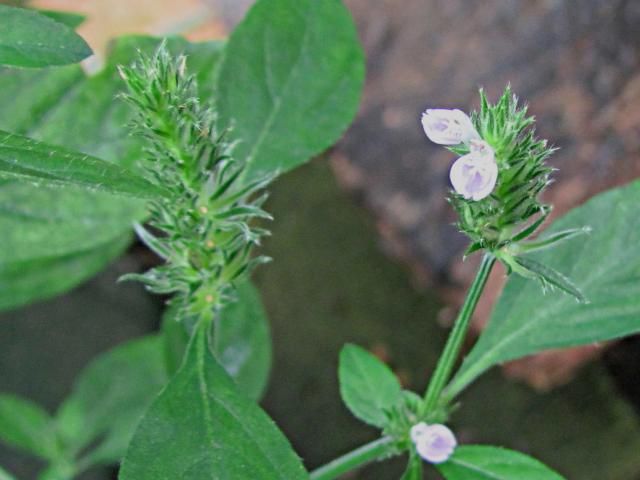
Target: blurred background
[{"x": 363, "y": 243}]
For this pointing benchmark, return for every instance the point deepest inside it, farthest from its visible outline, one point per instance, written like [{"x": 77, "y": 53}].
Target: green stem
[
  {"x": 456, "y": 337},
  {"x": 356, "y": 458}
]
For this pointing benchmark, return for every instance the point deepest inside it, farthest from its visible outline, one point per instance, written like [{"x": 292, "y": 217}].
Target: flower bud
[
  {"x": 474, "y": 175},
  {"x": 448, "y": 127},
  {"x": 434, "y": 443}
]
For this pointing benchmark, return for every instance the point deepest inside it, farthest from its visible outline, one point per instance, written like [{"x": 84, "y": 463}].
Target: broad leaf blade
[
  {"x": 26, "y": 159},
  {"x": 109, "y": 397},
  {"x": 29, "y": 39},
  {"x": 526, "y": 321},
  {"x": 202, "y": 428},
  {"x": 241, "y": 341},
  {"x": 26, "y": 426},
  {"x": 290, "y": 81},
  {"x": 479, "y": 462},
  {"x": 368, "y": 387},
  {"x": 46, "y": 277}
]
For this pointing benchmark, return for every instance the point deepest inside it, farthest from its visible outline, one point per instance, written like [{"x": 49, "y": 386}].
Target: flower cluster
[
  {"x": 500, "y": 173},
  {"x": 204, "y": 228},
  {"x": 434, "y": 443},
  {"x": 473, "y": 175}
]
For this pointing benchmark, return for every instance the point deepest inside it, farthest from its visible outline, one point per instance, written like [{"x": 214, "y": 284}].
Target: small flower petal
[
  {"x": 482, "y": 149},
  {"x": 448, "y": 127},
  {"x": 474, "y": 175},
  {"x": 434, "y": 443},
  {"x": 418, "y": 431}
]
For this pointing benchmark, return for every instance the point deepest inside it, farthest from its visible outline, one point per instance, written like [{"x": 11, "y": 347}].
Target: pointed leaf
[
  {"x": 531, "y": 229},
  {"x": 26, "y": 159},
  {"x": 368, "y": 387},
  {"x": 108, "y": 399},
  {"x": 479, "y": 462},
  {"x": 292, "y": 90},
  {"x": 201, "y": 427},
  {"x": 44, "y": 277},
  {"x": 241, "y": 341},
  {"x": 526, "y": 321},
  {"x": 29, "y": 39},
  {"x": 27, "y": 426},
  {"x": 551, "y": 278}
]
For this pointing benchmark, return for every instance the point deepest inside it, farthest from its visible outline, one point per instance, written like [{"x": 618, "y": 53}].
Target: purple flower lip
[
  {"x": 434, "y": 443},
  {"x": 448, "y": 127},
  {"x": 474, "y": 175}
]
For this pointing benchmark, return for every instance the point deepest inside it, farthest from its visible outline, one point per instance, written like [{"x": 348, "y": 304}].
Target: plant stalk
[
  {"x": 354, "y": 459},
  {"x": 456, "y": 338}
]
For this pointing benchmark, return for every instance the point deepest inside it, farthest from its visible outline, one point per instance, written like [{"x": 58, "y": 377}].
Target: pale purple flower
[
  {"x": 474, "y": 175},
  {"x": 448, "y": 127},
  {"x": 434, "y": 443}
]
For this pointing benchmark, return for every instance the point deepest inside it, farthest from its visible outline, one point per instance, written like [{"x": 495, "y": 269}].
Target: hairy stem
[
  {"x": 354, "y": 459},
  {"x": 456, "y": 337}
]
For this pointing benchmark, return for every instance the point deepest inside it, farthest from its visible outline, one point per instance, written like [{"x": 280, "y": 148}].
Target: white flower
[
  {"x": 448, "y": 127},
  {"x": 474, "y": 175},
  {"x": 434, "y": 443}
]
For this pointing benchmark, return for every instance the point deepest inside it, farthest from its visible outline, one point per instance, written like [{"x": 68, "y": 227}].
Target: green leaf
[
  {"x": 479, "y": 462},
  {"x": 63, "y": 107},
  {"x": 108, "y": 399},
  {"x": 241, "y": 341},
  {"x": 414, "y": 468},
  {"x": 550, "y": 278},
  {"x": 26, "y": 426},
  {"x": 26, "y": 159},
  {"x": 71, "y": 20},
  {"x": 290, "y": 81},
  {"x": 29, "y": 39},
  {"x": 4, "y": 475},
  {"x": 368, "y": 387},
  {"x": 526, "y": 321},
  {"x": 201, "y": 427},
  {"x": 44, "y": 277}
]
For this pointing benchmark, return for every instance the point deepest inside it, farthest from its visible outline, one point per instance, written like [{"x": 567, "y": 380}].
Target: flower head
[
  {"x": 448, "y": 127},
  {"x": 474, "y": 175},
  {"x": 434, "y": 443}
]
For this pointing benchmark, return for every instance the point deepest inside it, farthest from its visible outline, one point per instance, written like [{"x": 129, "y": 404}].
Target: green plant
[{"x": 215, "y": 123}]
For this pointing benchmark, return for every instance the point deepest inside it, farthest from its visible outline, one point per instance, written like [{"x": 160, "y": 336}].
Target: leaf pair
[{"x": 371, "y": 390}]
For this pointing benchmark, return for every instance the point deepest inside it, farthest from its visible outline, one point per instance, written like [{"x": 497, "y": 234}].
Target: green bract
[
  {"x": 493, "y": 222},
  {"x": 206, "y": 218}
]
